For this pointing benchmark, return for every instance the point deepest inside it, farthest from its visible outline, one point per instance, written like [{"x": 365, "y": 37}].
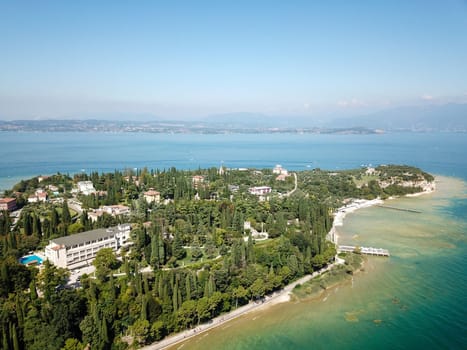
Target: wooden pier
[
  {"x": 363, "y": 250},
  {"x": 400, "y": 209}
]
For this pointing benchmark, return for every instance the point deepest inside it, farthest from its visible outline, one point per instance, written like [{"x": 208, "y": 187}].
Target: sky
[{"x": 188, "y": 59}]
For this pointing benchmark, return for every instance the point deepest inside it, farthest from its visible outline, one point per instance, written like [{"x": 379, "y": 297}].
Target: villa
[
  {"x": 113, "y": 210},
  {"x": 279, "y": 170},
  {"x": 39, "y": 196},
  {"x": 152, "y": 196}
]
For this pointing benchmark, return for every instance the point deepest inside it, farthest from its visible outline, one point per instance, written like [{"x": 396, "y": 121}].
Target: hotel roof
[{"x": 87, "y": 236}]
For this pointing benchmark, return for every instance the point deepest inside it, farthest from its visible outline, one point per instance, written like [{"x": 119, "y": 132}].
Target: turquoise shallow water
[{"x": 414, "y": 299}]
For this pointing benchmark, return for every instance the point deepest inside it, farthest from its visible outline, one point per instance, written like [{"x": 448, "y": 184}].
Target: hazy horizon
[{"x": 190, "y": 60}]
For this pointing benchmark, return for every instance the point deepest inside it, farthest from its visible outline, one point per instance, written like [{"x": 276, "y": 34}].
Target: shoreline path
[{"x": 276, "y": 298}]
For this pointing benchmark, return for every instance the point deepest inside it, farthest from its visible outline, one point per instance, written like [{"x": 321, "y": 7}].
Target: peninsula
[{"x": 128, "y": 258}]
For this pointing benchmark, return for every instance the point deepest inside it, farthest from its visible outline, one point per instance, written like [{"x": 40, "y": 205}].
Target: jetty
[
  {"x": 363, "y": 250},
  {"x": 400, "y": 209}
]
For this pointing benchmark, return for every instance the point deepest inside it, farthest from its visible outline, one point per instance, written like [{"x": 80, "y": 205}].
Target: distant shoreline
[
  {"x": 193, "y": 130},
  {"x": 224, "y": 125}
]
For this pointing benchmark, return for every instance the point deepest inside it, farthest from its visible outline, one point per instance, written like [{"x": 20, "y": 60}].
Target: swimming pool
[{"x": 31, "y": 260}]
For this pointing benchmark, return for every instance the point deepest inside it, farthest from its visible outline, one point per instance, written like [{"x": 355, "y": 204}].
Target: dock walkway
[
  {"x": 364, "y": 250},
  {"x": 400, "y": 209}
]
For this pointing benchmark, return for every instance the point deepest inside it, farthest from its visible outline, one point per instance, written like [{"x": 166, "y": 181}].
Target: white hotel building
[{"x": 81, "y": 248}]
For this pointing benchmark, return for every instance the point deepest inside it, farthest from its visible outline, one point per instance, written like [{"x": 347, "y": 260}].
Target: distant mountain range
[{"x": 448, "y": 117}]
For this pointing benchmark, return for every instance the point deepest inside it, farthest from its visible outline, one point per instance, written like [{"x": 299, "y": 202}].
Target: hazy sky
[{"x": 185, "y": 59}]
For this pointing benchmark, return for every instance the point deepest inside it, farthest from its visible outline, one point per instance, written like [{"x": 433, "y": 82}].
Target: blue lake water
[
  {"x": 415, "y": 299},
  {"x": 31, "y": 154}
]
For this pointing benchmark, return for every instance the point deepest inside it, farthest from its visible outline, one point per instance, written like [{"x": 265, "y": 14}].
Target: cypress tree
[
  {"x": 113, "y": 289},
  {"x": 155, "y": 258},
  {"x": 5, "y": 344},
  {"x": 36, "y": 226},
  {"x": 188, "y": 286},
  {"x": 212, "y": 285},
  {"x": 85, "y": 220},
  {"x": 3, "y": 245},
  {"x": 144, "y": 308},
  {"x": 175, "y": 297},
  {"x": 242, "y": 254},
  {"x": 307, "y": 261},
  {"x": 104, "y": 332},
  {"x": 206, "y": 289},
  {"x": 4, "y": 275},
  {"x": 66, "y": 216},
  {"x": 54, "y": 221},
  {"x": 46, "y": 229},
  {"x": 209, "y": 287},
  {"x": 177, "y": 247},
  {"x": 146, "y": 289},
  {"x": 19, "y": 312},
  {"x": 14, "y": 337},
  {"x": 179, "y": 297},
  {"x": 160, "y": 286},
  {"x": 250, "y": 252},
  {"x": 12, "y": 241},
  {"x": 27, "y": 223},
  {"x": 139, "y": 283},
  {"x": 161, "y": 249}
]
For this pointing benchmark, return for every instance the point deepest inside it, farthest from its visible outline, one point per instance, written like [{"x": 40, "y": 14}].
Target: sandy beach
[
  {"x": 341, "y": 213},
  {"x": 357, "y": 204}
]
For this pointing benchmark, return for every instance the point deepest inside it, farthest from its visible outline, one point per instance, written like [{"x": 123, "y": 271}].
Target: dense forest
[{"x": 193, "y": 257}]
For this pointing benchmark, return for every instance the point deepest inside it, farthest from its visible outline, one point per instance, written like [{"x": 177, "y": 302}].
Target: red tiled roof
[{"x": 7, "y": 200}]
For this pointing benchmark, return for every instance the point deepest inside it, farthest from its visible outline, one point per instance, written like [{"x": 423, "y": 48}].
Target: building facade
[
  {"x": 152, "y": 196},
  {"x": 113, "y": 210},
  {"x": 39, "y": 196},
  {"x": 80, "y": 249},
  {"x": 86, "y": 187},
  {"x": 259, "y": 190},
  {"x": 8, "y": 204}
]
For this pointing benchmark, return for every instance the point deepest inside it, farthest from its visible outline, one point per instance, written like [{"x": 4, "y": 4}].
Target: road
[
  {"x": 295, "y": 187},
  {"x": 76, "y": 206}
]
